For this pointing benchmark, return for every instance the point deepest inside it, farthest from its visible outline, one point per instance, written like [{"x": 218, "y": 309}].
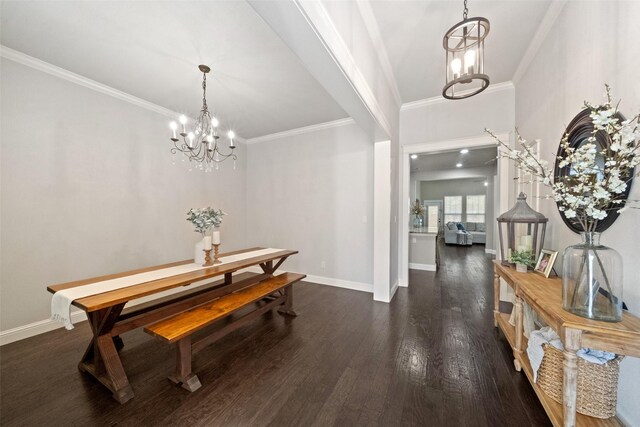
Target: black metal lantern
[
  {"x": 464, "y": 63},
  {"x": 525, "y": 229}
]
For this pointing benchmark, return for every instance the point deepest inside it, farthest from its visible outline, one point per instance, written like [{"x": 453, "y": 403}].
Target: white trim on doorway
[{"x": 435, "y": 147}]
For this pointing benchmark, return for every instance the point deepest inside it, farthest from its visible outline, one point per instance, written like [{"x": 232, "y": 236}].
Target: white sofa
[{"x": 477, "y": 232}]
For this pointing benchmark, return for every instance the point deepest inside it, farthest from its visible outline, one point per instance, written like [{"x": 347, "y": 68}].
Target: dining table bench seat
[{"x": 276, "y": 291}]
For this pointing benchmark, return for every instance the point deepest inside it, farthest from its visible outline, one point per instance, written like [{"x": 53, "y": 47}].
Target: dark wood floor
[{"x": 430, "y": 358}]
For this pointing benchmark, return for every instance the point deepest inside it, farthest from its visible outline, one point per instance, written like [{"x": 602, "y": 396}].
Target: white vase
[
  {"x": 198, "y": 257},
  {"x": 521, "y": 268}
]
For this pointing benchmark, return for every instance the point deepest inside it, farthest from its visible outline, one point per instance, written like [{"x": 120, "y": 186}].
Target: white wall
[
  {"x": 570, "y": 67},
  {"x": 465, "y": 118},
  {"x": 88, "y": 188},
  {"x": 313, "y": 192}
]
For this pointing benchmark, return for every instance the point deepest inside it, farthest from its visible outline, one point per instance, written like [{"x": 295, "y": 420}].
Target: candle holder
[
  {"x": 216, "y": 248},
  {"x": 208, "y": 262}
]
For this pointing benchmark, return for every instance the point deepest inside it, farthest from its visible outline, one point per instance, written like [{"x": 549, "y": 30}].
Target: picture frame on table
[{"x": 545, "y": 262}]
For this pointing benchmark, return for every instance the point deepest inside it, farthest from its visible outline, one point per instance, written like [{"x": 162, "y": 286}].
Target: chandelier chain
[
  {"x": 204, "y": 91},
  {"x": 466, "y": 10}
]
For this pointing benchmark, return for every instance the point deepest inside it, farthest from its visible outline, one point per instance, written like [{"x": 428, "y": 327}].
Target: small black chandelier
[
  {"x": 464, "y": 64},
  {"x": 201, "y": 144}
]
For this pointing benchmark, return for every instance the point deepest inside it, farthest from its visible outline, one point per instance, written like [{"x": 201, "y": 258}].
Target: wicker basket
[{"x": 597, "y": 389}]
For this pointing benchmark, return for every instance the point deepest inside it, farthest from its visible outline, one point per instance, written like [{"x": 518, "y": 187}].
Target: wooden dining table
[{"x": 108, "y": 317}]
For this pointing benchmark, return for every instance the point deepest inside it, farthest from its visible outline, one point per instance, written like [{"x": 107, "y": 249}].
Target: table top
[
  {"x": 545, "y": 296},
  {"x": 123, "y": 295}
]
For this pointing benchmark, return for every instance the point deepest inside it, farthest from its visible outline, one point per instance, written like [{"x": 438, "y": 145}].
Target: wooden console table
[{"x": 544, "y": 296}]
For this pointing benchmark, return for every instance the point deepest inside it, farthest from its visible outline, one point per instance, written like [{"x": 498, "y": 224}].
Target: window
[
  {"x": 452, "y": 209},
  {"x": 475, "y": 208}
]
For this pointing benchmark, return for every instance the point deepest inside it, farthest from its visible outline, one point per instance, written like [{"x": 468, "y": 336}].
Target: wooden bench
[{"x": 277, "y": 291}]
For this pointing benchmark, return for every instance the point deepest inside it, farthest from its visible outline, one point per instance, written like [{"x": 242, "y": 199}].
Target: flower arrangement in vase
[
  {"x": 418, "y": 210},
  {"x": 203, "y": 220},
  {"x": 596, "y": 185}
]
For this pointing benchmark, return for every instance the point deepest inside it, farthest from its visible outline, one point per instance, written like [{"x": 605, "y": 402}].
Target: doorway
[
  {"x": 433, "y": 216},
  {"x": 501, "y": 189}
]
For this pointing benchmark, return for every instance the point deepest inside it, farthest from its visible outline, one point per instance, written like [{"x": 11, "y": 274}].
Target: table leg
[
  {"x": 496, "y": 298},
  {"x": 287, "y": 307},
  {"x": 572, "y": 339},
  {"x": 101, "y": 358},
  {"x": 517, "y": 350}
]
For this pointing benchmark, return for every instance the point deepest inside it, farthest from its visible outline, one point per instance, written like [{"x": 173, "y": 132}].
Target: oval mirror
[{"x": 579, "y": 131}]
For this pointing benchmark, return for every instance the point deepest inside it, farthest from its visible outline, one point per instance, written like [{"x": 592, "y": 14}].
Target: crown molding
[
  {"x": 302, "y": 130},
  {"x": 37, "y": 64},
  {"x": 46, "y": 67},
  {"x": 539, "y": 37},
  {"x": 440, "y": 99},
  {"x": 373, "y": 29}
]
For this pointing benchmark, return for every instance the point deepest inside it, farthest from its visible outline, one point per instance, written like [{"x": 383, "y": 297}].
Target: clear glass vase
[
  {"x": 417, "y": 221},
  {"x": 592, "y": 280}
]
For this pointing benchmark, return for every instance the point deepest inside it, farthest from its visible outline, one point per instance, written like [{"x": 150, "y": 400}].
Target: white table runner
[{"x": 61, "y": 300}]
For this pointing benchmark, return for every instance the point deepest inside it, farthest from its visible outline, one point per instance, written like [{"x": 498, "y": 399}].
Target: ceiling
[
  {"x": 151, "y": 49},
  {"x": 412, "y": 33},
  {"x": 475, "y": 158}
]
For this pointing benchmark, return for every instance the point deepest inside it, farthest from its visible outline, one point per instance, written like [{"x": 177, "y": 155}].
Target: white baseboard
[
  {"x": 330, "y": 281},
  {"x": 490, "y": 251},
  {"x": 394, "y": 288},
  {"x": 36, "y": 328},
  {"x": 42, "y": 326},
  {"x": 424, "y": 267}
]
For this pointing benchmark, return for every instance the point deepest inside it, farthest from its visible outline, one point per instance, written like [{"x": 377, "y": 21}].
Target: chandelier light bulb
[
  {"x": 464, "y": 151},
  {"x": 469, "y": 61},
  {"x": 191, "y": 136},
  {"x": 458, "y": 165},
  {"x": 209, "y": 138},
  {"x": 414, "y": 156},
  {"x": 214, "y": 122},
  {"x": 455, "y": 67},
  {"x": 183, "y": 119},
  {"x": 174, "y": 127},
  {"x": 231, "y": 134}
]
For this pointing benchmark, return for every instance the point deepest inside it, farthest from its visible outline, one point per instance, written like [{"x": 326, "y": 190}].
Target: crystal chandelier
[
  {"x": 464, "y": 64},
  {"x": 201, "y": 144}
]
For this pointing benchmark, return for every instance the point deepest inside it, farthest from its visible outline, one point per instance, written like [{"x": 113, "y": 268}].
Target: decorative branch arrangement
[
  {"x": 417, "y": 208},
  {"x": 598, "y": 179}
]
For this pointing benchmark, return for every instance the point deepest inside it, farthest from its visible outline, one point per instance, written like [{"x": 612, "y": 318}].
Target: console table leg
[
  {"x": 496, "y": 298},
  {"x": 572, "y": 344},
  {"x": 517, "y": 350}
]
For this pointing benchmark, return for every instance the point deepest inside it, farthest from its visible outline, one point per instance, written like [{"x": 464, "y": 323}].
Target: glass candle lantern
[{"x": 521, "y": 229}]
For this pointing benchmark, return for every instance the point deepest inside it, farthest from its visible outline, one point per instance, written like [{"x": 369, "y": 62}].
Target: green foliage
[
  {"x": 205, "y": 219},
  {"x": 522, "y": 257}
]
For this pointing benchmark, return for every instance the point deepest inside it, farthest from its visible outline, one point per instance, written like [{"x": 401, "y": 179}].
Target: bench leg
[
  {"x": 287, "y": 307},
  {"x": 183, "y": 373}
]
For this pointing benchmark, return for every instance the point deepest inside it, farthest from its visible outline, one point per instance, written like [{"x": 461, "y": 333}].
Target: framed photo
[{"x": 545, "y": 262}]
